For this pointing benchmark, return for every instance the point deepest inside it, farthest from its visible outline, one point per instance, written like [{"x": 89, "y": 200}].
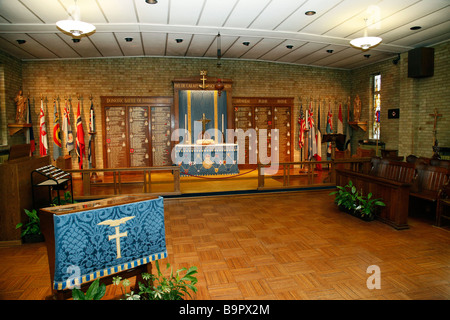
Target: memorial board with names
[
  {"x": 137, "y": 131},
  {"x": 243, "y": 119},
  {"x": 138, "y": 119},
  {"x": 271, "y": 114},
  {"x": 116, "y": 137},
  {"x": 263, "y": 120},
  {"x": 282, "y": 122},
  {"x": 161, "y": 146}
]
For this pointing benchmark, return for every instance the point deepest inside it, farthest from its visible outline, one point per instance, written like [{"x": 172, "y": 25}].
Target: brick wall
[
  {"x": 416, "y": 98},
  {"x": 10, "y": 84},
  {"x": 142, "y": 76},
  {"x": 153, "y": 77}
]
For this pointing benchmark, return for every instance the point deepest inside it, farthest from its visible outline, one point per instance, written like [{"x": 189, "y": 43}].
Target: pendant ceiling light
[
  {"x": 365, "y": 43},
  {"x": 74, "y": 26}
]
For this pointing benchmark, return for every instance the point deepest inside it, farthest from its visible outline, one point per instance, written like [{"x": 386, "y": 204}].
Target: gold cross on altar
[{"x": 204, "y": 122}]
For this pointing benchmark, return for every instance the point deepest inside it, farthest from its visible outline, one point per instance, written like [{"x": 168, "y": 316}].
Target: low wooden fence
[
  {"x": 307, "y": 168},
  {"x": 290, "y": 172},
  {"x": 117, "y": 182}
]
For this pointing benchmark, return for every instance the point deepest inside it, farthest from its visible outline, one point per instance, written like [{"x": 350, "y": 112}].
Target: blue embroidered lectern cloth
[
  {"x": 207, "y": 160},
  {"x": 98, "y": 242}
]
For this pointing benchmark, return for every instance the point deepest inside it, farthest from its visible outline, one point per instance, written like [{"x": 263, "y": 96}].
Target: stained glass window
[{"x": 376, "y": 106}]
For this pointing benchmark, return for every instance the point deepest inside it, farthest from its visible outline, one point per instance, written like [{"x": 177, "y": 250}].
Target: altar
[{"x": 207, "y": 160}]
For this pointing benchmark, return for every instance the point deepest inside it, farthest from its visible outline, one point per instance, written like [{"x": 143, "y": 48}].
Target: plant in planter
[
  {"x": 367, "y": 206},
  {"x": 349, "y": 200},
  {"x": 66, "y": 200},
  {"x": 96, "y": 291},
  {"x": 159, "y": 287},
  {"x": 31, "y": 231}
]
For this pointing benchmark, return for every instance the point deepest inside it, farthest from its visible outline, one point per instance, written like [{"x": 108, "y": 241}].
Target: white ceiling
[{"x": 268, "y": 25}]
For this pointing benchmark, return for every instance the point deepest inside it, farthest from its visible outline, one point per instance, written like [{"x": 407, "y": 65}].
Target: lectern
[{"x": 102, "y": 239}]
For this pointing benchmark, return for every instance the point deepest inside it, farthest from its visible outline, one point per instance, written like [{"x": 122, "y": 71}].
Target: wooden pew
[
  {"x": 443, "y": 204},
  {"x": 397, "y": 171},
  {"x": 393, "y": 193},
  {"x": 430, "y": 180}
]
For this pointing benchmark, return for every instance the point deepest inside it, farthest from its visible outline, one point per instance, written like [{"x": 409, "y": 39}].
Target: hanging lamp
[
  {"x": 366, "y": 42},
  {"x": 74, "y": 26}
]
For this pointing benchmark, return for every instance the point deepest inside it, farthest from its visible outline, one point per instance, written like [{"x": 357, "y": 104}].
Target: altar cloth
[
  {"x": 98, "y": 242},
  {"x": 207, "y": 160}
]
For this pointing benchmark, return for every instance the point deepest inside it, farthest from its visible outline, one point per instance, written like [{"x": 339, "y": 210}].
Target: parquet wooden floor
[{"x": 276, "y": 246}]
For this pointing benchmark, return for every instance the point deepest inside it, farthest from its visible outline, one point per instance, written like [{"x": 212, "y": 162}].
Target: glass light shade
[
  {"x": 365, "y": 43},
  {"x": 75, "y": 27}
]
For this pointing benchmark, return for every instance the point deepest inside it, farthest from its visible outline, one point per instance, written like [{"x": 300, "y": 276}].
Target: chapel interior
[{"x": 243, "y": 116}]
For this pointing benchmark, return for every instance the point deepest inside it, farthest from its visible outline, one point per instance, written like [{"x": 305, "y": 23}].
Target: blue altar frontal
[
  {"x": 207, "y": 160},
  {"x": 105, "y": 239}
]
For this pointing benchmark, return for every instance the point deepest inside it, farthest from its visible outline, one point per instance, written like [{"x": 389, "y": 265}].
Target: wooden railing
[
  {"x": 117, "y": 174},
  {"x": 113, "y": 177},
  {"x": 306, "y": 168}
]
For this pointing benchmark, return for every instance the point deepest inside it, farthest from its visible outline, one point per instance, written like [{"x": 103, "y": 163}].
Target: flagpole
[{"x": 94, "y": 176}]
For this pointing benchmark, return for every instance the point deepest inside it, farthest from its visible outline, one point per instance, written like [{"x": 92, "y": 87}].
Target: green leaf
[
  {"x": 100, "y": 292},
  {"x": 78, "y": 294},
  {"x": 93, "y": 288}
]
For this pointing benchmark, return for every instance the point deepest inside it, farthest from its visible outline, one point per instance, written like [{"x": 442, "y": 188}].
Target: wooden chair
[
  {"x": 430, "y": 180},
  {"x": 443, "y": 204}
]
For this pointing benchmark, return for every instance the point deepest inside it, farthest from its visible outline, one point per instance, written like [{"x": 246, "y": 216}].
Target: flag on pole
[
  {"x": 318, "y": 156},
  {"x": 329, "y": 129},
  {"x": 312, "y": 142},
  {"x": 348, "y": 132},
  {"x": 57, "y": 151},
  {"x": 302, "y": 127},
  {"x": 43, "y": 140},
  {"x": 91, "y": 130},
  {"x": 80, "y": 146},
  {"x": 67, "y": 128},
  {"x": 340, "y": 125},
  {"x": 30, "y": 133}
]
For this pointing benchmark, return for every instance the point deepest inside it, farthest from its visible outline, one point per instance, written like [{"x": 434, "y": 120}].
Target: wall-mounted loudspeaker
[{"x": 421, "y": 62}]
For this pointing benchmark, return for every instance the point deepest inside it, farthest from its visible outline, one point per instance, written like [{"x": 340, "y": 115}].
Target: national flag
[
  {"x": 67, "y": 128},
  {"x": 43, "y": 140},
  {"x": 312, "y": 142},
  {"x": 80, "y": 146},
  {"x": 318, "y": 156},
  {"x": 340, "y": 124},
  {"x": 348, "y": 136},
  {"x": 329, "y": 129},
  {"x": 91, "y": 130},
  {"x": 57, "y": 151},
  {"x": 348, "y": 131},
  {"x": 30, "y": 133},
  {"x": 302, "y": 128}
]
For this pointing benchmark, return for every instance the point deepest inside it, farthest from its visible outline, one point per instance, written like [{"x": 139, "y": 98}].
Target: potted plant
[
  {"x": 67, "y": 199},
  {"x": 159, "y": 287},
  {"x": 366, "y": 208},
  {"x": 349, "y": 200},
  {"x": 96, "y": 291},
  {"x": 31, "y": 231}
]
